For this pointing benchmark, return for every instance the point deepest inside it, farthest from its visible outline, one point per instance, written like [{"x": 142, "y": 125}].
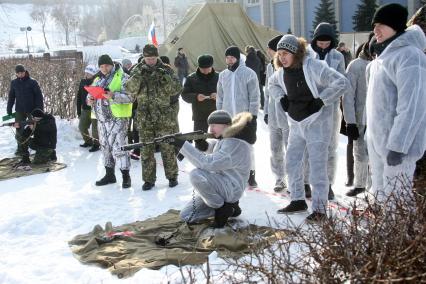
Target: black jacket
[
  {"x": 82, "y": 95},
  {"x": 198, "y": 83},
  {"x": 45, "y": 133},
  {"x": 25, "y": 94},
  {"x": 181, "y": 63},
  {"x": 253, "y": 62}
]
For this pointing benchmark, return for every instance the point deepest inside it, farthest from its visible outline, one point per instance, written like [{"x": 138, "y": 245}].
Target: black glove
[
  {"x": 284, "y": 103},
  {"x": 177, "y": 143},
  {"x": 352, "y": 131},
  {"x": 265, "y": 118},
  {"x": 316, "y": 105},
  {"x": 394, "y": 158}
]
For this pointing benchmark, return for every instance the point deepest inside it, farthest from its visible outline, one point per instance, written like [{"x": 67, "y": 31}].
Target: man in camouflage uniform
[{"x": 155, "y": 87}]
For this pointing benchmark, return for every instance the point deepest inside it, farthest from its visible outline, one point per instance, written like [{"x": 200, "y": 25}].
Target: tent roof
[{"x": 212, "y": 27}]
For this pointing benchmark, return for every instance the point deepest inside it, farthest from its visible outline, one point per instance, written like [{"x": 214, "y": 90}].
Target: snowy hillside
[{"x": 39, "y": 214}]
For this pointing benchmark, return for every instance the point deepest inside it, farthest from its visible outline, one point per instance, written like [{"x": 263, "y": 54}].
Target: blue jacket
[{"x": 25, "y": 94}]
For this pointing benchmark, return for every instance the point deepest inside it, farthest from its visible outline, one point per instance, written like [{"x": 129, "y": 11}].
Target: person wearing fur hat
[
  {"x": 323, "y": 47},
  {"x": 112, "y": 112},
  {"x": 221, "y": 176},
  {"x": 396, "y": 118},
  {"x": 25, "y": 94},
  {"x": 238, "y": 91},
  {"x": 84, "y": 111},
  {"x": 353, "y": 113},
  {"x": 41, "y": 136},
  {"x": 200, "y": 91},
  {"x": 307, "y": 90}
]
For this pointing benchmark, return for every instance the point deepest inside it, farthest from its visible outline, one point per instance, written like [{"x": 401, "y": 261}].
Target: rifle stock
[
  {"x": 195, "y": 135},
  {"x": 21, "y": 123}
]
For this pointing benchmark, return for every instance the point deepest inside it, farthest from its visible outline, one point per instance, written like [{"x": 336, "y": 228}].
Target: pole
[
  {"x": 164, "y": 21},
  {"x": 28, "y": 46}
]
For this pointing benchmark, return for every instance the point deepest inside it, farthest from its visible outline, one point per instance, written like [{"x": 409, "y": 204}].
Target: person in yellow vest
[{"x": 113, "y": 113}]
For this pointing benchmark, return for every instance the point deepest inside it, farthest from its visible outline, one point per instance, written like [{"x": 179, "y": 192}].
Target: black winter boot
[
  {"x": 295, "y": 206},
  {"x": 308, "y": 191},
  {"x": 173, "y": 182},
  {"x": 127, "y": 181},
  {"x": 355, "y": 191},
  {"x": 316, "y": 217},
  {"x": 350, "y": 164},
  {"x": 25, "y": 159},
  {"x": 237, "y": 209},
  {"x": 86, "y": 144},
  {"x": 147, "y": 186},
  {"x": 222, "y": 214},
  {"x": 94, "y": 148},
  {"x": 108, "y": 178},
  {"x": 252, "y": 179}
]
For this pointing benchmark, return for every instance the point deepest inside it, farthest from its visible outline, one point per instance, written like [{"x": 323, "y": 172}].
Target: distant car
[
  {"x": 19, "y": 51},
  {"x": 40, "y": 50}
]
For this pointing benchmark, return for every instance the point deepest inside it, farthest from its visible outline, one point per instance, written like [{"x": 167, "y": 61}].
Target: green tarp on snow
[
  {"x": 132, "y": 247},
  {"x": 211, "y": 28},
  {"x": 9, "y": 168}
]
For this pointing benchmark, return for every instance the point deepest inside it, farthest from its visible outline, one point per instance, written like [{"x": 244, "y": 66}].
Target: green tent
[{"x": 211, "y": 28}]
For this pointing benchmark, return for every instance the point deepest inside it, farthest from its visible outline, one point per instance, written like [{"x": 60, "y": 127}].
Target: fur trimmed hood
[{"x": 243, "y": 127}]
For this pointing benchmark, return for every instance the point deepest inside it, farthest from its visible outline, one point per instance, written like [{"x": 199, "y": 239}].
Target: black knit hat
[
  {"x": 165, "y": 59},
  {"x": 150, "y": 50},
  {"x": 37, "y": 113},
  {"x": 105, "y": 59},
  {"x": 272, "y": 44},
  {"x": 392, "y": 15},
  {"x": 233, "y": 51},
  {"x": 219, "y": 117},
  {"x": 205, "y": 61},
  {"x": 19, "y": 68}
]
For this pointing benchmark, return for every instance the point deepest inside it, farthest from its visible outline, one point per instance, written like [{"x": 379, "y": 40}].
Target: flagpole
[{"x": 164, "y": 21}]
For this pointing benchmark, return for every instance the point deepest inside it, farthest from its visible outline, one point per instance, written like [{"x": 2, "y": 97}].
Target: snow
[{"x": 39, "y": 214}]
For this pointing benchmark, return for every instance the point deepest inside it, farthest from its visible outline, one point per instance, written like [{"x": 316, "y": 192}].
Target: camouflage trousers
[
  {"x": 149, "y": 131},
  {"x": 43, "y": 155},
  {"x": 112, "y": 136}
]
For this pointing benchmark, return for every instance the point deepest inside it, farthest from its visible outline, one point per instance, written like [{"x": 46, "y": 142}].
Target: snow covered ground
[{"x": 39, "y": 214}]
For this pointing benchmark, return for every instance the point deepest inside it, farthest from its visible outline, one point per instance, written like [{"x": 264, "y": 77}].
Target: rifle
[
  {"x": 195, "y": 135},
  {"x": 22, "y": 124}
]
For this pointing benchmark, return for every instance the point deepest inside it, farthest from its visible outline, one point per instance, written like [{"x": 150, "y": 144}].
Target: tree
[
  {"x": 40, "y": 14},
  {"x": 364, "y": 15},
  {"x": 325, "y": 13},
  {"x": 66, "y": 16}
]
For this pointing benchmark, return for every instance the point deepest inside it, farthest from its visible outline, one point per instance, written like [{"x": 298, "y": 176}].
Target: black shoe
[
  {"x": 280, "y": 185},
  {"x": 108, "y": 178},
  {"x": 355, "y": 191},
  {"x": 308, "y": 191},
  {"x": 86, "y": 144},
  {"x": 222, "y": 214},
  {"x": 94, "y": 148},
  {"x": 173, "y": 182},
  {"x": 25, "y": 159},
  {"x": 295, "y": 206},
  {"x": 330, "y": 193},
  {"x": 316, "y": 217},
  {"x": 53, "y": 156},
  {"x": 237, "y": 209},
  {"x": 127, "y": 181},
  {"x": 147, "y": 186},
  {"x": 252, "y": 179}
]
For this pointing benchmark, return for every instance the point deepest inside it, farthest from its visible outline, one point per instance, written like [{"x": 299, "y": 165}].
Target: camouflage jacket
[{"x": 154, "y": 87}]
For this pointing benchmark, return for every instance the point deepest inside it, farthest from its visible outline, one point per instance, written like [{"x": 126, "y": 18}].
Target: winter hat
[
  {"x": 150, "y": 50},
  {"x": 105, "y": 59},
  {"x": 289, "y": 43},
  {"x": 219, "y": 117},
  {"x": 37, "y": 113},
  {"x": 392, "y": 15},
  {"x": 19, "y": 68},
  {"x": 91, "y": 69},
  {"x": 233, "y": 51},
  {"x": 272, "y": 44},
  {"x": 165, "y": 59},
  {"x": 126, "y": 61},
  {"x": 205, "y": 61}
]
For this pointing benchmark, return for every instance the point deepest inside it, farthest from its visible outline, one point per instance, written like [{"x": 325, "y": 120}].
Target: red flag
[{"x": 96, "y": 92}]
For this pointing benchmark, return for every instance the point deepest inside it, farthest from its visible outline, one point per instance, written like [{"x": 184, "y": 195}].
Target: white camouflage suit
[
  {"x": 396, "y": 116},
  {"x": 112, "y": 130},
  {"x": 278, "y": 129},
  {"x": 335, "y": 60},
  {"x": 220, "y": 176},
  {"x": 353, "y": 111},
  {"x": 313, "y": 133}
]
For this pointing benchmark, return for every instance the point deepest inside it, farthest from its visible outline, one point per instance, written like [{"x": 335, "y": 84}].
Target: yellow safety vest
[{"x": 118, "y": 110}]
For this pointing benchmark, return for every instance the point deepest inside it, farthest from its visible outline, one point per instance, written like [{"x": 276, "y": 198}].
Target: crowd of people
[{"x": 309, "y": 94}]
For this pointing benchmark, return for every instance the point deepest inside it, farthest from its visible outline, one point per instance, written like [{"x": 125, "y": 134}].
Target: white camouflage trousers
[{"x": 112, "y": 136}]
